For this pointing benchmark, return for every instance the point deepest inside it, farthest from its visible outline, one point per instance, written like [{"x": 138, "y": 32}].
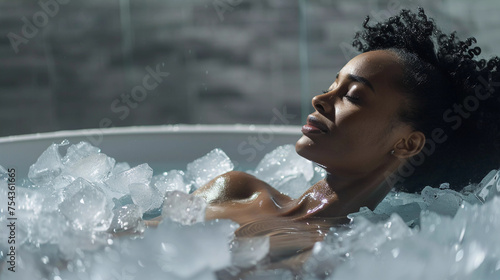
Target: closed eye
[{"x": 351, "y": 98}]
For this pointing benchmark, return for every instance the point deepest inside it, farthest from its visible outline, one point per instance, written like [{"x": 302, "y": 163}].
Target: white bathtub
[{"x": 162, "y": 147}]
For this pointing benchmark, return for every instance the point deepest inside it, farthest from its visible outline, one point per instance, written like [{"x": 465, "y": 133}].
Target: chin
[
  {"x": 308, "y": 149},
  {"x": 305, "y": 147}
]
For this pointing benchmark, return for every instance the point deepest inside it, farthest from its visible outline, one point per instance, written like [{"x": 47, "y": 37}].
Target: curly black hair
[{"x": 453, "y": 99}]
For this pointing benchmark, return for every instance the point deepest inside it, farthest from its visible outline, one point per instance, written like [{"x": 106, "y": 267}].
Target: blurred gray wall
[{"x": 86, "y": 64}]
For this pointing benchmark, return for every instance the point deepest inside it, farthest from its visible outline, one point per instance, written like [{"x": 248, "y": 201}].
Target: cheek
[{"x": 364, "y": 134}]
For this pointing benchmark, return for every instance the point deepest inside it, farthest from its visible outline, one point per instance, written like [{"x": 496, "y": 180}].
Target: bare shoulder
[{"x": 231, "y": 186}]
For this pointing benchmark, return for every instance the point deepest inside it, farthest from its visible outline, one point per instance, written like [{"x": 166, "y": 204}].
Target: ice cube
[
  {"x": 184, "y": 208},
  {"x": 324, "y": 257},
  {"x": 47, "y": 227},
  {"x": 62, "y": 181},
  {"x": 402, "y": 198},
  {"x": 85, "y": 205},
  {"x": 445, "y": 204},
  {"x": 170, "y": 181},
  {"x": 373, "y": 235},
  {"x": 145, "y": 196},
  {"x": 47, "y": 166},
  {"x": 122, "y": 200},
  {"x": 93, "y": 168},
  {"x": 247, "y": 252},
  {"x": 76, "y": 152},
  {"x": 127, "y": 218},
  {"x": 120, "y": 167},
  {"x": 472, "y": 198},
  {"x": 293, "y": 185},
  {"x": 29, "y": 199},
  {"x": 281, "y": 163},
  {"x": 373, "y": 217},
  {"x": 319, "y": 173},
  {"x": 343, "y": 246},
  {"x": 139, "y": 174},
  {"x": 170, "y": 251},
  {"x": 408, "y": 206},
  {"x": 384, "y": 207},
  {"x": 189, "y": 250},
  {"x": 30, "y": 209},
  {"x": 489, "y": 186},
  {"x": 410, "y": 213},
  {"x": 204, "y": 169},
  {"x": 51, "y": 200},
  {"x": 444, "y": 186}
]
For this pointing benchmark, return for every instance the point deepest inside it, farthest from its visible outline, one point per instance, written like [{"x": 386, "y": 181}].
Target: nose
[{"x": 323, "y": 103}]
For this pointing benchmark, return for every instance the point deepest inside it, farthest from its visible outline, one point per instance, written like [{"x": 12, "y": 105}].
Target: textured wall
[{"x": 89, "y": 63}]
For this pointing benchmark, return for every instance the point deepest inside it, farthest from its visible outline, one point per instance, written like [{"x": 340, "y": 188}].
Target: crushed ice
[{"x": 81, "y": 216}]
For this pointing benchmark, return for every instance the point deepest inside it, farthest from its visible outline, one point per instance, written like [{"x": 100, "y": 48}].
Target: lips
[{"x": 314, "y": 125}]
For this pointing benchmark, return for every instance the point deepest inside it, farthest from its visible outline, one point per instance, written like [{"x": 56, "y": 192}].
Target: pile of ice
[
  {"x": 80, "y": 215},
  {"x": 438, "y": 234}
]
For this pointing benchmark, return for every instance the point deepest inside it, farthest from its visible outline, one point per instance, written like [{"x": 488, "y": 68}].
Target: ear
[{"x": 410, "y": 146}]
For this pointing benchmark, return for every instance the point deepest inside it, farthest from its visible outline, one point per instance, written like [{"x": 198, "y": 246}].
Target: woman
[
  {"x": 413, "y": 109},
  {"x": 354, "y": 134}
]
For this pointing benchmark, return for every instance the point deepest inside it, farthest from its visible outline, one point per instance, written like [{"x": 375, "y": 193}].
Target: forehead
[{"x": 382, "y": 68}]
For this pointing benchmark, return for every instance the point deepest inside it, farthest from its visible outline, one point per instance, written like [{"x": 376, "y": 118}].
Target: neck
[{"x": 338, "y": 195}]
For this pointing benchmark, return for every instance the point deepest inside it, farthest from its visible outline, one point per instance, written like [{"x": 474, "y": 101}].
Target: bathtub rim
[
  {"x": 163, "y": 147},
  {"x": 157, "y": 129}
]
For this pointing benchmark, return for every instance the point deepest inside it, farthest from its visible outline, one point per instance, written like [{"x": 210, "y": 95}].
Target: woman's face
[{"x": 355, "y": 125}]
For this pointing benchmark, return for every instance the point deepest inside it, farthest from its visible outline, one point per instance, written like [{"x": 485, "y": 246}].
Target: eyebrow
[{"x": 359, "y": 79}]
